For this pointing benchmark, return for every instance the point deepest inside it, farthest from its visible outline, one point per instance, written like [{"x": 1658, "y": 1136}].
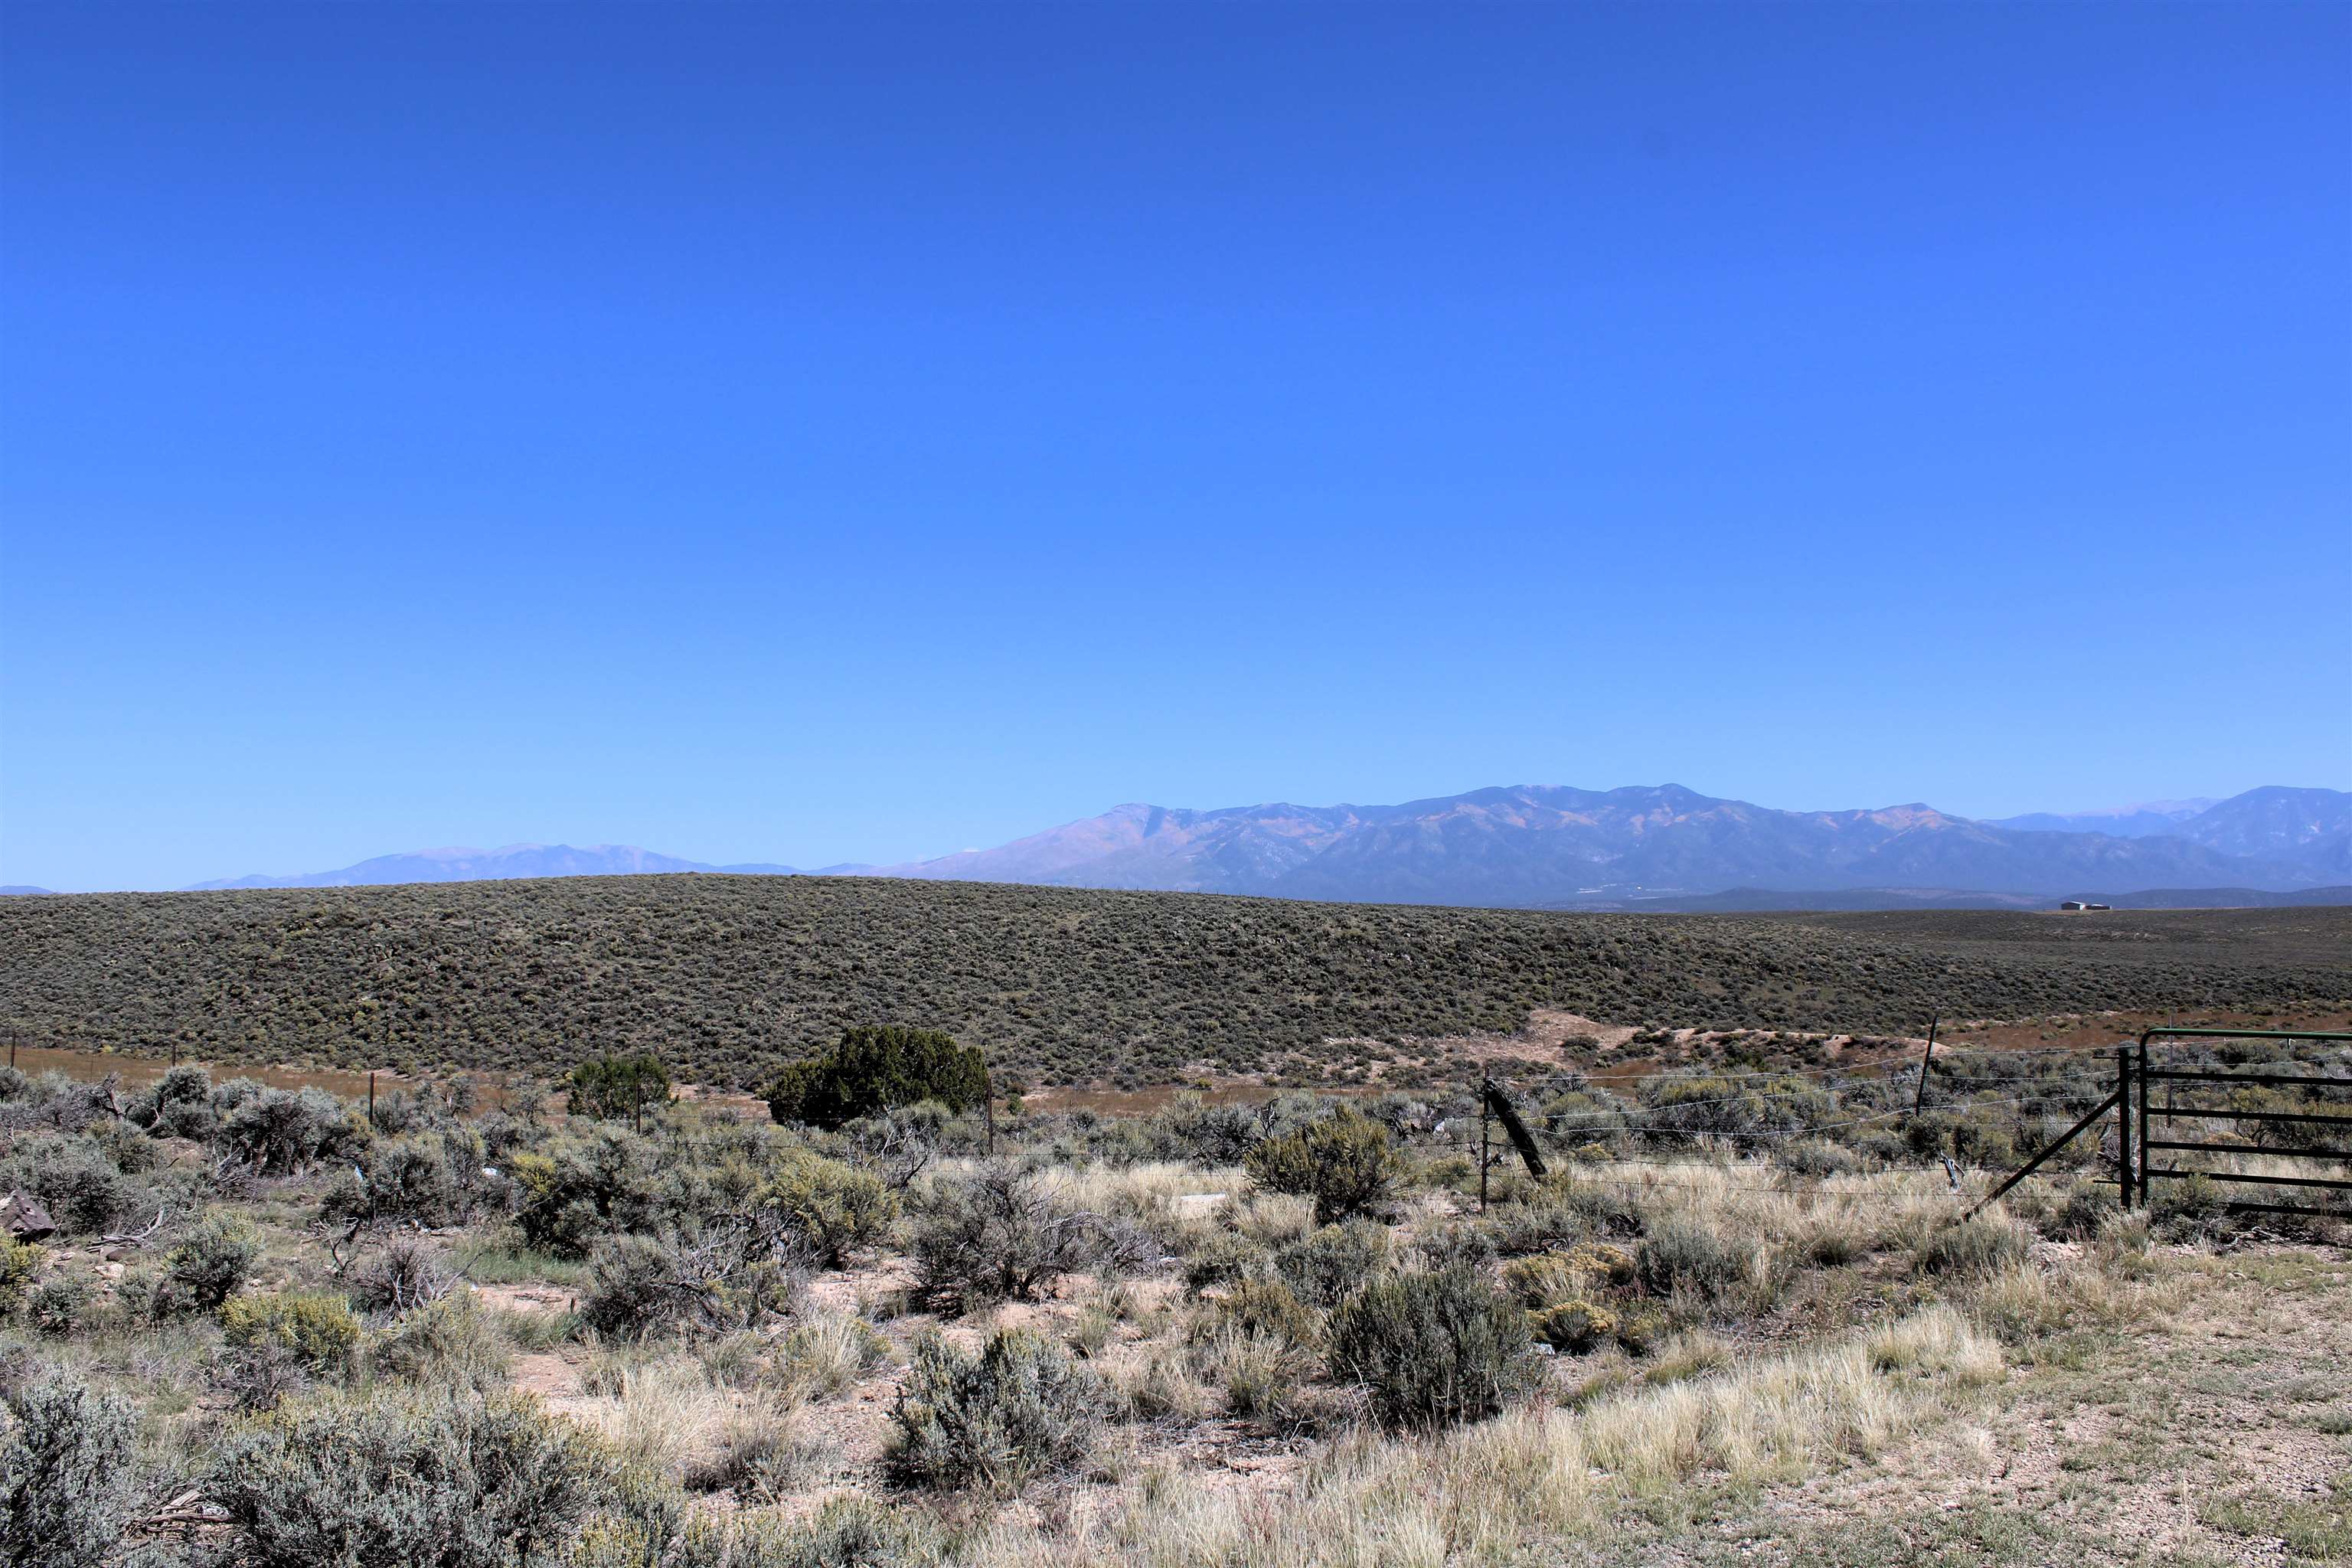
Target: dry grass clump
[
  {"x": 826, "y": 1353},
  {"x": 450, "y": 1343},
  {"x": 1483, "y": 1493},
  {"x": 669, "y": 1418},
  {"x": 2113, "y": 1284}
]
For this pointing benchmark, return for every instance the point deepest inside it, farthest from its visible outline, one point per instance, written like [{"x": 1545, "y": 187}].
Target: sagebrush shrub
[
  {"x": 1458, "y": 1246},
  {"x": 2082, "y": 1214},
  {"x": 1210, "y": 1134},
  {"x": 56, "y": 1306},
  {"x": 1431, "y": 1349},
  {"x": 642, "y": 1284},
  {"x": 2188, "y": 1210},
  {"x": 433, "y": 1178},
  {"x": 632, "y": 1287},
  {"x": 1003, "y": 1234},
  {"x": 1018, "y": 1410},
  {"x": 134, "y": 1153},
  {"x": 1344, "y": 1163},
  {"x": 279, "y": 1133},
  {"x": 258, "y": 1377},
  {"x": 407, "y": 1273},
  {"x": 75, "y": 1179},
  {"x": 397, "y": 1478},
  {"x": 209, "y": 1265},
  {"x": 67, "y": 1474},
  {"x": 178, "y": 1105},
  {"x": 1681, "y": 1255},
  {"x": 1329, "y": 1264},
  {"x": 1221, "y": 1257},
  {"x": 584, "y": 1185}
]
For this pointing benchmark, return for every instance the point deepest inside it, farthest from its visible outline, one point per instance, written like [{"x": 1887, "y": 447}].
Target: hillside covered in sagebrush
[{"x": 727, "y": 976}]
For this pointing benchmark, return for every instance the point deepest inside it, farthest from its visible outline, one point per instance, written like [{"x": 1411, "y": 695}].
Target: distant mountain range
[
  {"x": 1561, "y": 847},
  {"x": 511, "y": 862},
  {"x": 1641, "y": 847},
  {"x": 2141, "y": 821}
]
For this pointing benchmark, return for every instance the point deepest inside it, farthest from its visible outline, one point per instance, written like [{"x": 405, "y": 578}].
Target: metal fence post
[{"x": 2141, "y": 1075}]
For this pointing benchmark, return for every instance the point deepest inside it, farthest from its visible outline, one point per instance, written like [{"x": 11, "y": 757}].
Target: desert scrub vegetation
[
  {"x": 1342, "y": 1161},
  {"x": 1018, "y": 1409},
  {"x": 726, "y": 980},
  {"x": 499, "y": 1337},
  {"x": 1431, "y": 1349}
]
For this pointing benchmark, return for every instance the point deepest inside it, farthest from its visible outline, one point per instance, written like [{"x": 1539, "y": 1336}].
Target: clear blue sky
[{"x": 809, "y": 433}]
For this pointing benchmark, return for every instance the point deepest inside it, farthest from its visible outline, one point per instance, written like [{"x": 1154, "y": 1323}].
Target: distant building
[{"x": 2080, "y": 904}]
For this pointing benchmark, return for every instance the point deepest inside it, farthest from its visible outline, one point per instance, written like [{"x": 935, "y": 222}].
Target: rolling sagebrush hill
[{"x": 727, "y": 976}]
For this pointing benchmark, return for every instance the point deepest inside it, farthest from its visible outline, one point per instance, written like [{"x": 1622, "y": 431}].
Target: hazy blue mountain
[
  {"x": 2310, "y": 830},
  {"x": 2142, "y": 821},
  {"x": 1554, "y": 845},
  {"x": 15, "y": 890},
  {"x": 1752, "y": 900},
  {"x": 513, "y": 860}
]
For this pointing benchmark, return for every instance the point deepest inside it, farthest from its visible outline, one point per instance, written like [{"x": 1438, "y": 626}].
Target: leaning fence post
[
  {"x": 1486, "y": 1093},
  {"x": 2123, "y": 1122},
  {"x": 1926, "y": 1059}
]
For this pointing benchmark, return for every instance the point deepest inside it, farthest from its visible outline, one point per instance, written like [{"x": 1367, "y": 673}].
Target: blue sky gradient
[{"x": 804, "y": 433}]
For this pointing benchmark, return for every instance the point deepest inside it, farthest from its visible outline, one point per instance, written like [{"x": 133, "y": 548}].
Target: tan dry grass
[{"x": 1482, "y": 1494}]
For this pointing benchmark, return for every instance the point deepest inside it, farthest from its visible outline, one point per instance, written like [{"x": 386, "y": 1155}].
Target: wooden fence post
[
  {"x": 1486, "y": 1096},
  {"x": 1920, "y": 1099}
]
